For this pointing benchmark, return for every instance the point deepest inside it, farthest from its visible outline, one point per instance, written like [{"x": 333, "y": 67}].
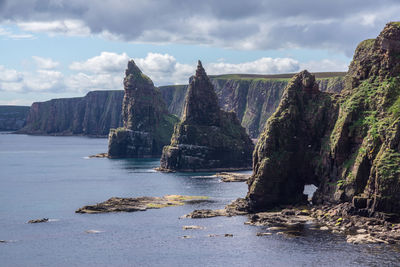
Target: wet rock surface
[
  {"x": 228, "y": 177},
  {"x": 116, "y": 204}
]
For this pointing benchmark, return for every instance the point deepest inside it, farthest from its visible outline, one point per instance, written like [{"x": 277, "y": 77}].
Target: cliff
[
  {"x": 93, "y": 114},
  {"x": 147, "y": 125},
  {"x": 12, "y": 118},
  {"x": 253, "y": 98},
  {"x": 347, "y": 145},
  {"x": 208, "y": 138}
]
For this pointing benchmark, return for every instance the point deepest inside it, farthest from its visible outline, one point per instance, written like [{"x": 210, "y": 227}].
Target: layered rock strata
[
  {"x": 147, "y": 125},
  {"x": 208, "y": 138}
]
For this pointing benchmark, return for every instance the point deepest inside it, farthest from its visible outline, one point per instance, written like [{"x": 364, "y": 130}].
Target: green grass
[{"x": 283, "y": 77}]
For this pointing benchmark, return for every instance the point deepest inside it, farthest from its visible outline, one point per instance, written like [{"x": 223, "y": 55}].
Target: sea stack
[
  {"x": 207, "y": 138},
  {"x": 284, "y": 158},
  {"x": 147, "y": 126},
  {"x": 348, "y": 145}
]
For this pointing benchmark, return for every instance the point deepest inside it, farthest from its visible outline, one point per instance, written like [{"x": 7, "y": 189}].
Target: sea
[{"x": 51, "y": 177}]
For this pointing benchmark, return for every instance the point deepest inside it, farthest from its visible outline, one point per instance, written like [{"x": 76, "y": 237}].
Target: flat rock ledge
[
  {"x": 229, "y": 177},
  {"x": 335, "y": 218},
  {"x": 100, "y": 155},
  {"x": 116, "y": 204}
]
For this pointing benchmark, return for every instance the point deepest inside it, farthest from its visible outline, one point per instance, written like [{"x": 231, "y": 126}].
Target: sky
[{"x": 66, "y": 48}]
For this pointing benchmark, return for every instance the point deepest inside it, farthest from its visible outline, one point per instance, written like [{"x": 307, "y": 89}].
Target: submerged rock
[
  {"x": 147, "y": 125},
  {"x": 93, "y": 231},
  {"x": 207, "y": 138},
  {"x": 192, "y": 227},
  {"x": 117, "y": 204}
]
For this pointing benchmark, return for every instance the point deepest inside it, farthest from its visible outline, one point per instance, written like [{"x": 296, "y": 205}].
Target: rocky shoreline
[{"x": 335, "y": 218}]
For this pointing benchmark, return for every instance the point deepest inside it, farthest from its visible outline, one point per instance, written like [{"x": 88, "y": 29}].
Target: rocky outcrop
[
  {"x": 117, "y": 204},
  {"x": 147, "y": 125},
  {"x": 208, "y": 138},
  {"x": 347, "y": 145},
  {"x": 12, "y": 118},
  {"x": 254, "y": 98},
  {"x": 284, "y": 158},
  {"x": 91, "y": 115}
]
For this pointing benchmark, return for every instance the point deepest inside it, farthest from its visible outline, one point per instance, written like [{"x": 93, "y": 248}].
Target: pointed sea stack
[
  {"x": 147, "y": 125},
  {"x": 207, "y": 139}
]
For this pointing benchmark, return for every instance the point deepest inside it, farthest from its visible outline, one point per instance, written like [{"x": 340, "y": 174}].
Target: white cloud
[
  {"x": 9, "y": 75},
  {"x": 10, "y": 35},
  {"x": 105, "y": 63},
  {"x": 325, "y": 65},
  {"x": 67, "y": 27},
  {"x": 83, "y": 82},
  {"x": 37, "y": 81},
  {"x": 265, "y": 65},
  {"x": 45, "y": 63},
  {"x": 164, "y": 69},
  {"x": 106, "y": 72}
]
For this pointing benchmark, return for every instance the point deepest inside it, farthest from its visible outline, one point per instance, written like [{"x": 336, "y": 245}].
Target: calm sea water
[{"x": 52, "y": 177}]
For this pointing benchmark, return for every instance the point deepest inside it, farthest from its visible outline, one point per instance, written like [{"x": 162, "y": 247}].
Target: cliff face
[
  {"x": 208, "y": 138},
  {"x": 147, "y": 126},
  {"x": 347, "y": 145},
  {"x": 253, "y": 98},
  {"x": 93, "y": 115},
  {"x": 12, "y": 118}
]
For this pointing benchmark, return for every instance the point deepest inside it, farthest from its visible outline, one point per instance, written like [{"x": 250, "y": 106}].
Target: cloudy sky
[{"x": 61, "y": 48}]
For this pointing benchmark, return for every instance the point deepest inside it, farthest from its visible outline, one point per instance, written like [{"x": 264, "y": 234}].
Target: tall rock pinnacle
[
  {"x": 207, "y": 138},
  {"x": 201, "y": 104},
  {"x": 147, "y": 125}
]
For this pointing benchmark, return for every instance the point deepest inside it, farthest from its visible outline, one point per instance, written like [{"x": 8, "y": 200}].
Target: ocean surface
[{"x": 51, "y": 177}]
